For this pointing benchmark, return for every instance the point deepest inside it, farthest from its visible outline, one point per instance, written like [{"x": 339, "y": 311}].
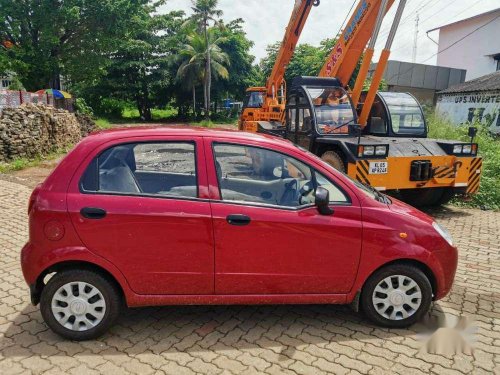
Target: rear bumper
[{"x": 461, "y": 173}]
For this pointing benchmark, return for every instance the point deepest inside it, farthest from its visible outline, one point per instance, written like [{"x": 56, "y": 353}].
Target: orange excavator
[
  {"x": 267, "y": 103},
  {"x": 377, "y": 138}
]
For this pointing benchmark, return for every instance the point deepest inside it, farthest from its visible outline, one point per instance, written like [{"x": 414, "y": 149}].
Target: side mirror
[{"x": 322, "y": 201}]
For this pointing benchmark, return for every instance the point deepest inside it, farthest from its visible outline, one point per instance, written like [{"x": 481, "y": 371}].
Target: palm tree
[
  {"x": 204, "y": 12},
  {"x": 195, "y": 55}
]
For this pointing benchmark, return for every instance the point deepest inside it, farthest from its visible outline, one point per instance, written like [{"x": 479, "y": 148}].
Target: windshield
[
  {"x": 254, "y": 99},
  {"x": 333, "y": 109},
  {"x": 406, "y": 114}
]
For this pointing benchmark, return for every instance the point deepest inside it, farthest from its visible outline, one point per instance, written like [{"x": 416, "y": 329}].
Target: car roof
[{"x": 103, "y": 136}]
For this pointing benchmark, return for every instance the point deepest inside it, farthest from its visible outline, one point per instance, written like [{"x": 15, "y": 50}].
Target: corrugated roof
[
  {"x": 489, "y": 82},
  {"x": 465, "y": 19}
]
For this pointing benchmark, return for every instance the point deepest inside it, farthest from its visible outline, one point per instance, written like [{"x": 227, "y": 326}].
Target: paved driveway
[{"x": 265, "y": 339}]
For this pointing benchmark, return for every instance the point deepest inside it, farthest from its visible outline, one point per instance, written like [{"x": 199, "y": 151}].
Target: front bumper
[
  {"x": 448, "y": 262},
  {"x": 461, "y": 173}
]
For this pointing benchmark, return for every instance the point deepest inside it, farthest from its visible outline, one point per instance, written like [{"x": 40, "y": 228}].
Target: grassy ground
[
  {"x": 489, "y": 148},
  {"x": 23, "y": 163}
]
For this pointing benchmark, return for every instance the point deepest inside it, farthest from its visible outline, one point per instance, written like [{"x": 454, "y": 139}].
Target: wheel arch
[
  {"x": 410, "y": 262},
  {"x": 428, "y": 272},
  {"x": 37, "y": 288}
]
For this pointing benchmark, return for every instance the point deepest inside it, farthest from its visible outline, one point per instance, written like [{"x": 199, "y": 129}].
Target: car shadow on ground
[
  {"x": 446, "y": 212},
  {"x": 187, "y": 329}
]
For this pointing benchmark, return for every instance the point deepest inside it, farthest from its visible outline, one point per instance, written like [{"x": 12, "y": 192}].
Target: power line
[
  {"x": 385, "y": 32},
  {"x": 426, "y": 20},
  {"x": 346, "y": 17},
  {"x": 446, "y": 48}
]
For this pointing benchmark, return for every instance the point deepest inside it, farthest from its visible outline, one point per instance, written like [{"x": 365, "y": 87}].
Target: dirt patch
[{"x": 32, "y": 176}]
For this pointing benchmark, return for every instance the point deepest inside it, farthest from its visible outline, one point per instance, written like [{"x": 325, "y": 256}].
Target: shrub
[
  {"x": 83, "y": 108},
  {"x": 489, "y": 149}
]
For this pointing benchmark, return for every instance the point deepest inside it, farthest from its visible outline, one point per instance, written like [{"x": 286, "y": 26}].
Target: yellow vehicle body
[{"x": 450, "y": 172}]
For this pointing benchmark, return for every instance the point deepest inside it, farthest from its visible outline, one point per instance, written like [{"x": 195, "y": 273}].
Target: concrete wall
[
  {"x": 32, "y": 130},
  {"x": 475, "y": 52},
  {"x": 465, "y": 108},
  {"x": 423, "y": 81}
]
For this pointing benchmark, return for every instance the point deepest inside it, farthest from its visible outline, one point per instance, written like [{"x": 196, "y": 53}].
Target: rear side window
[{"x": 159, "y": 169}]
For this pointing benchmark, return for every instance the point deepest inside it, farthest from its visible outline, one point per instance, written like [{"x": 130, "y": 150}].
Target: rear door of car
[{"x": 142, "y": 205}]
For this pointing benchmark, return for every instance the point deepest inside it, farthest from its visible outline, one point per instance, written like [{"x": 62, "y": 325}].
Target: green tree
[
  {"x": 70, "y": 38},
  {"x": 306, "y": 61},
  {"x": 138, "y": 72},
  {"x": 242, "y": 72},
  {"x": 194, "y": 60},
  {"x": 205, "y": 11}
]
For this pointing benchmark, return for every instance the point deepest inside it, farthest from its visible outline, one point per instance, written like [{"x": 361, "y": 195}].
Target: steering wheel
[
  {"x": 291, "y": 193},
  {"x": 330, "y": 122}
]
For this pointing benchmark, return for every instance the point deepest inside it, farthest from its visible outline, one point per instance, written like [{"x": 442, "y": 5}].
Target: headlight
[
  {"x": 443, "y": 232},
  {"x": 380, "y": 150},
  {"x": 457, "y": 149},
  {"x": 369, "y": 151},
  {"x": 467, "y": 149}
]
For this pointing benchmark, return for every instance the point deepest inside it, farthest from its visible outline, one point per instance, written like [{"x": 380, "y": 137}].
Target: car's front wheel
[
  {"x": 396, "y": 296},
  {"x": 79, "y": 304}
]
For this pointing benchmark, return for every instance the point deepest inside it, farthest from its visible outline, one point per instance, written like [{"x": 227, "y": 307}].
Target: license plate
[
  {"x": 250, "y": 127},
  {"x": 378, "y": 167}
]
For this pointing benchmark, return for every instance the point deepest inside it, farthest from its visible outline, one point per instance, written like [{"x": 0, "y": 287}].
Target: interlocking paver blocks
[{"x": 253, "y": 339}]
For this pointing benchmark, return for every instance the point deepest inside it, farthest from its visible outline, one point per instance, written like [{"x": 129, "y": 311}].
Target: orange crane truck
[
  {"x": 267, "y": 103},
  {"x": 377, "y": 138}
]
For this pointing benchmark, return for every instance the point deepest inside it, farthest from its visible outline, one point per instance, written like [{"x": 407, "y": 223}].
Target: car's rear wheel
[
  {"x": 396, "y": 296},
  {"x": 80, "y": 304}
]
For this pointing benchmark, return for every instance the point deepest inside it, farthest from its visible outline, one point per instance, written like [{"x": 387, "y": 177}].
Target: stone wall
[{"x": 32, "y": 130}]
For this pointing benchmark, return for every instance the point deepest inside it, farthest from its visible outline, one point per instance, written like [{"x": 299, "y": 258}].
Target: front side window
[
  {"x": 305, "y": 120},
  {"x": 334, "y": 112},
  {"x": 160, "y": 169},
  {"x": 256, "y": 175}
]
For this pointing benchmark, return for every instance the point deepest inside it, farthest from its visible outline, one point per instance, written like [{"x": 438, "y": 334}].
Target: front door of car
[
  {"x": 270, "y": 238},
  {"x": 138, "y": 206}
]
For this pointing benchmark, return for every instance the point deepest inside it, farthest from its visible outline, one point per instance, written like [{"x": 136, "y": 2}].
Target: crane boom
[
  {"x": 267, "y": 104},
  {"x": 301, "y": 11},
  {"x": 344, "y": 57}
]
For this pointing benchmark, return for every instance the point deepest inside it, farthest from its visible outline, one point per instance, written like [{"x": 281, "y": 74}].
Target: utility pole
[{"x": 415, "y": 40}]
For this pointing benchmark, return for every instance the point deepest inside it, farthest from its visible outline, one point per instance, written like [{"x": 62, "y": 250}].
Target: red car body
[{"x": 183, "y": 251}]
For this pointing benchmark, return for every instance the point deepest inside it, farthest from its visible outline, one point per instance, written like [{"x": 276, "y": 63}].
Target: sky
[{"x": 266, "y": 20}]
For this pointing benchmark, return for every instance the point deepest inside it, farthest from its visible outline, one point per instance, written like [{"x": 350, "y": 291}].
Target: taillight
[{"x": 33, "y": 196}]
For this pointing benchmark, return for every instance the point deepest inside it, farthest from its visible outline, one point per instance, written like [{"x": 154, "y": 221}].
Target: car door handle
[
  {"x": 93, "y": 213},
  {"x": 239, "y": 220}
]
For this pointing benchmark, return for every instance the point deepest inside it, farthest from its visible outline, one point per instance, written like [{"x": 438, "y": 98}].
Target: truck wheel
[
  {"x": 79, "y": 304},
  {"x": 396, "y": 296},
  {"x": 426, "y": 197},
  {"x": 334, "y": 159},
  {"x": 447, "y": 196}
]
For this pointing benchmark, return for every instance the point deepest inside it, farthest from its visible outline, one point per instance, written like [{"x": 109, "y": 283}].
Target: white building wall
[
  {"x": 463, "y": 108},
  {"x": 473, "y": 53}
]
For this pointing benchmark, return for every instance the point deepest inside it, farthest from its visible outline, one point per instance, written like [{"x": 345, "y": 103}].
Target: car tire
[
  {"x": 334, "y": 159},
  {"x": 79, "y": 304},
  {"x": 406, "y": 284}
]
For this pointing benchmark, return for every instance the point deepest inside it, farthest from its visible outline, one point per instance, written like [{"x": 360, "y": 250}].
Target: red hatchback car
[{"x": 179, "y": 215}]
